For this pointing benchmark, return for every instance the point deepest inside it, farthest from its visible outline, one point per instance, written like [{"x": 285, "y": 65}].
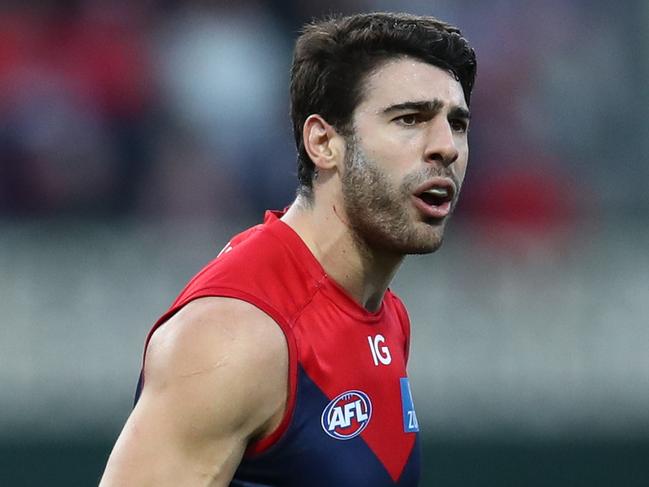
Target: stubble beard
[{"x": 381, "y": 214}]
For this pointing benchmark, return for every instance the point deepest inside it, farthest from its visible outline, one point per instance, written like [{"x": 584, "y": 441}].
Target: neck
[{"x": 365, "y": 273}]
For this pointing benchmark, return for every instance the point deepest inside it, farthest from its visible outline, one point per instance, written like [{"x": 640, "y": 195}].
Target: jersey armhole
[{"x": 259, "y": 446}]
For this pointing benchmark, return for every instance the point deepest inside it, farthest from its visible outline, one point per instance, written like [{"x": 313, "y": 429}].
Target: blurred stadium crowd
[{"x": 158, "y": 109}]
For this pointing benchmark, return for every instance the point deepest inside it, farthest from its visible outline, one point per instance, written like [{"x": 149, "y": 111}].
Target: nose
[{"x": 440, "y": 144}]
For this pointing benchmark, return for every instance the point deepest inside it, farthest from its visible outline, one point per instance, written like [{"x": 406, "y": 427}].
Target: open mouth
[
  {"x": 434, "y": 199},
  {"x": 436, "y": 196}
]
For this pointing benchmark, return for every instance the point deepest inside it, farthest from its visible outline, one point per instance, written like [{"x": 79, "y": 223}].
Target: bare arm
[{"x": 216, "y": 377}]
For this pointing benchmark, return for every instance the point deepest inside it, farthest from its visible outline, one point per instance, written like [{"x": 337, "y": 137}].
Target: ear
[{"x": 322, "y": 142}]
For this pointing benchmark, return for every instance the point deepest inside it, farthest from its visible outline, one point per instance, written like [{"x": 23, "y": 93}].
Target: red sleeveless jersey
[{"x": 350, "y": 419}]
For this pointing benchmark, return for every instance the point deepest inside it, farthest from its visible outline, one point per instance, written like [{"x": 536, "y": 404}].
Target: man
[{"x": 283, "y": 362}]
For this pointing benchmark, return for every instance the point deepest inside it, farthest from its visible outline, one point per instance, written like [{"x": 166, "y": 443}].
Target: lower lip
[{"x": 430, "y": 211}]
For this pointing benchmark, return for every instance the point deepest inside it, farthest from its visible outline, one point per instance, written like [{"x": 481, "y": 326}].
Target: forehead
[{"x": 407, "y": 79}]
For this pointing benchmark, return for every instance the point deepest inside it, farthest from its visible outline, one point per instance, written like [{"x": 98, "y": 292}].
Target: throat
[
  {"x": 373, "y": 303},
  {"x": 362, "y": 271}
]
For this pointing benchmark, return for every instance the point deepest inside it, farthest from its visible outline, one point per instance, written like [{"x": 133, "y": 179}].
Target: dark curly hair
[{"x": 333, "y": 57}]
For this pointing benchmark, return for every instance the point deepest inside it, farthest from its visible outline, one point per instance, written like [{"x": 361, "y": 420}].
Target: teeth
[{"x": 438, "y": 192}]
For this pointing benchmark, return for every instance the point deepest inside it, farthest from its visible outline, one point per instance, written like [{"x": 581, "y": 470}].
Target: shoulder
[
  {"x": 215, "y": 379},
  {"x": 249, "y": 263},
  {"x": 219, "y": 322},
  {"x": 225, "y": 356}
]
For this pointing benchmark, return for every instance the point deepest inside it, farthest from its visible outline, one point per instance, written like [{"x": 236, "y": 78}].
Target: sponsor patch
[{"x": 410, "y": 424}]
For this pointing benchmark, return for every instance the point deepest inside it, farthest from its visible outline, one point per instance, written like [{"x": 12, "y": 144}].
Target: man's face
[{"x": 407, "y": 157}]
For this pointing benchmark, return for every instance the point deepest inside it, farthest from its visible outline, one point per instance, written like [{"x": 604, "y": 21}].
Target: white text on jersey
[{"x": 379, "y": 353}]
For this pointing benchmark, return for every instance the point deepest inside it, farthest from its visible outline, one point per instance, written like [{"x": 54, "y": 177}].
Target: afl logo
[{"x": 347, "y": 415}]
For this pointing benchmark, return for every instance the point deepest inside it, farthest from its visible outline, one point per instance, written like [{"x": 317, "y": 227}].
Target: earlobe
[{"x": 321, "y": 142}]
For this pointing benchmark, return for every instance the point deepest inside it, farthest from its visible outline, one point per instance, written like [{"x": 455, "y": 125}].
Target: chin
[
  {"x": 416, "y": 243},
  {"x": 425, "y": 248},
  {"x": 401, "y": 237},
  {"x": 426, "y": 240}
]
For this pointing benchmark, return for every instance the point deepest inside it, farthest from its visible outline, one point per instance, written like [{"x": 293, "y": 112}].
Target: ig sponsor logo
[
  {"x": 347, "y": 415},
  {"x": 380, "y": 353}
]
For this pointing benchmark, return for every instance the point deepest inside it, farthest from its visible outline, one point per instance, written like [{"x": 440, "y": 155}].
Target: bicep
[
  {"x": 204, "y": 397},
  {"x": 154, "y": 449}
]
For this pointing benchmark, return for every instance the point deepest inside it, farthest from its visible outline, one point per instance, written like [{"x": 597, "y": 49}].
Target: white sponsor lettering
[
  {"x": 379, "y": 353},
  {"x": 412, "y": 421}
]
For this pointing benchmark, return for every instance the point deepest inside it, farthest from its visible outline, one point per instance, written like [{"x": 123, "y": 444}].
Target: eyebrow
[
  {"x": 459, "y": 112},
  {"x": 428, "y": 106}
]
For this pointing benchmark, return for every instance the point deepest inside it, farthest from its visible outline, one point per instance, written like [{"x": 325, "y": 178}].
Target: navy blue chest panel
[{"x": 307, "y": 456}]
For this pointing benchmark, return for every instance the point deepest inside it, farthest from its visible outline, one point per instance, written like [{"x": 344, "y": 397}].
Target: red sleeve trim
[{"x": 265, "y": 443}]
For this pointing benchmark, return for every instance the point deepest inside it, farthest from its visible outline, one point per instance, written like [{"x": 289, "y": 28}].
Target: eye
[
  {"x": 459, "y": 125},
  {"x": 408, "y": 120}
]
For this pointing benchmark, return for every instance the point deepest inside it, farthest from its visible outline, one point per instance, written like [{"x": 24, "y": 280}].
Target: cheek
[
  {"x": 390, "y": 161},
  {"x": 462, "y": 163}
]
